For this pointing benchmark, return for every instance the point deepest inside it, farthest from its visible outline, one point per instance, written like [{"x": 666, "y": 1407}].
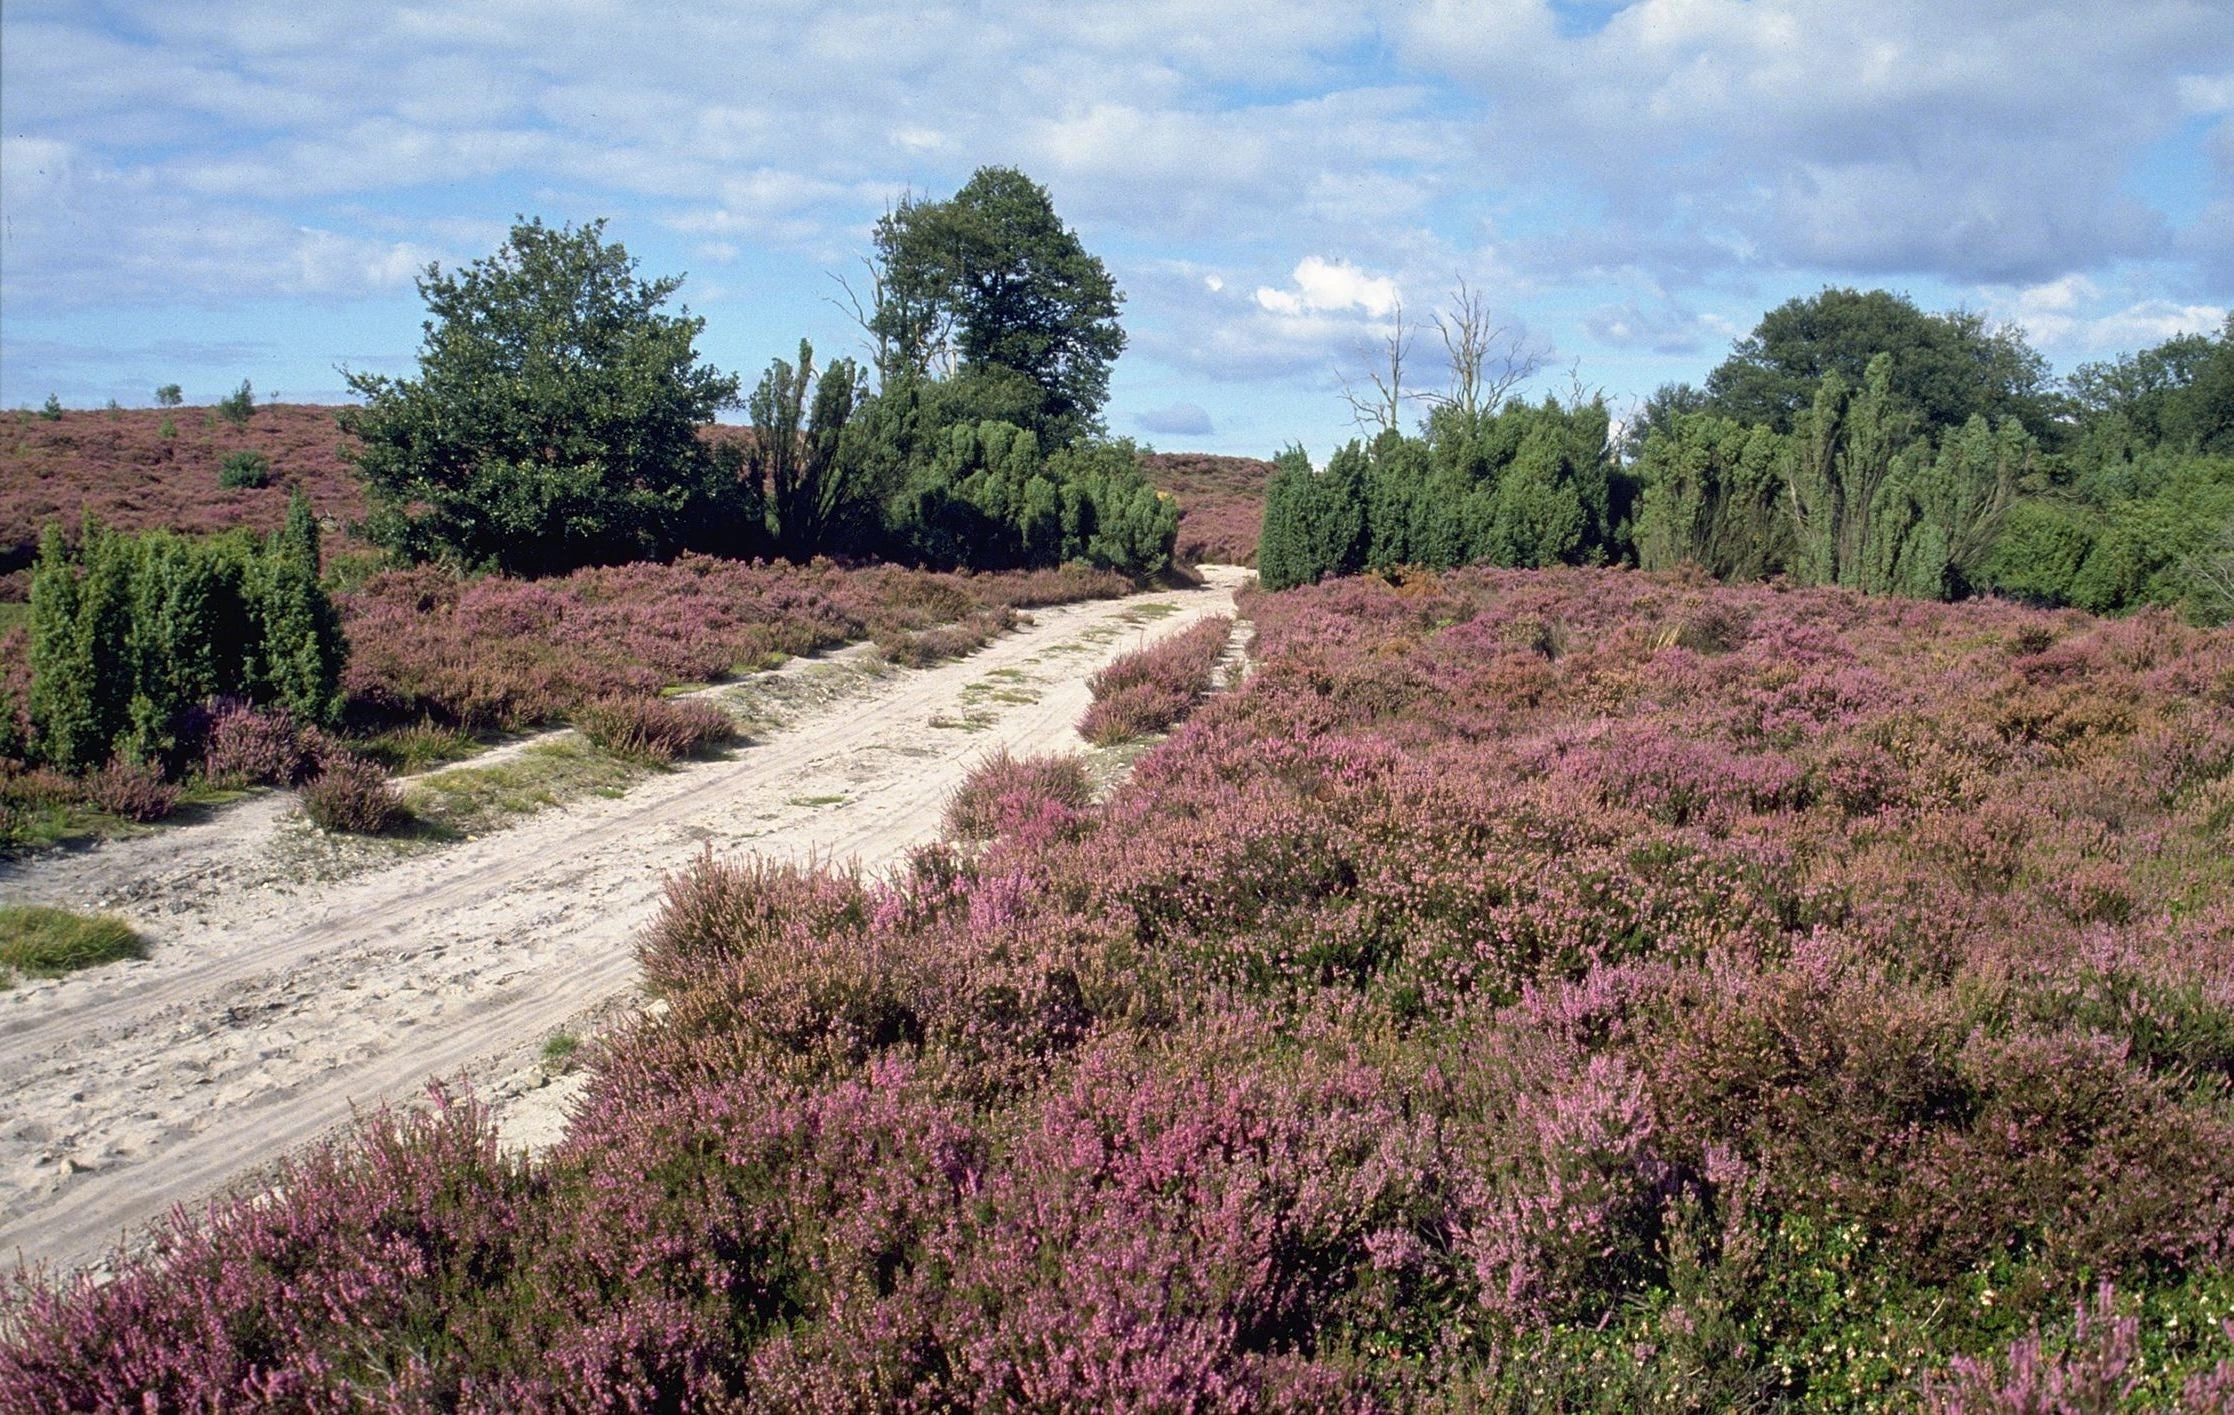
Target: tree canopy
[
  {"x": 554, "y": 422},
  {"x": 1947, "y": 368},
  {"x": 2180, "y": 392},
  {"x": 991, "y": 279}
]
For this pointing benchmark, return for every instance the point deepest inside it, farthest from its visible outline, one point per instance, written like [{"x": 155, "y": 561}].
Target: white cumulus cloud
[{"x": 1325, "y": 286}]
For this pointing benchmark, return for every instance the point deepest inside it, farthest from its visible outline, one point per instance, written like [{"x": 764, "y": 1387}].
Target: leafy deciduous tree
[
  {"x": 1945, "y": 367},
  {"x": 991, "y": 279},
  {"x": 554, "y": 422}
]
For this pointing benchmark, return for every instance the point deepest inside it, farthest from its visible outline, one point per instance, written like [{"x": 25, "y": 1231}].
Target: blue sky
[{"x": 201, "y": 193}]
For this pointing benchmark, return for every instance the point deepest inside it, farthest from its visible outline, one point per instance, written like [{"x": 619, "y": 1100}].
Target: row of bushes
[
  {"x": 1524, "y": 486},
  {"x": 132, "y": 634}
]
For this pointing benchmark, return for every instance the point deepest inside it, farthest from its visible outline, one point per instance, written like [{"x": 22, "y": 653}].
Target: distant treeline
[{"x": 1851, "y": 440}]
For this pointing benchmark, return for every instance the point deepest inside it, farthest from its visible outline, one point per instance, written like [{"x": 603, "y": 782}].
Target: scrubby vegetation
[
  {"x": 1851, "y": 439},
  {"x": 1003, "y": 792},
  {"x": 1561, "y": 990},
  {"x": 1151, "y": 689},
  {"x": 481, "y": 653},
  {"x": 654, "y": 729},
  {"x": 130, "y": 635},
  {"x": 1854, "y": 440},
  {"x": 353, "y": 796},
  {"x": 1221, "y": 504}
]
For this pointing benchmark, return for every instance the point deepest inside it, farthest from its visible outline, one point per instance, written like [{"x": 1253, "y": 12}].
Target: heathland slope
[
  {"x": 1528, "y": 990},
  {"x": 276, "y": 1001}
]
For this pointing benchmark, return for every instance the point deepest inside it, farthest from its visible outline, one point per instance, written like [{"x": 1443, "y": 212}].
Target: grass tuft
[{"x": 43, "y": 942}]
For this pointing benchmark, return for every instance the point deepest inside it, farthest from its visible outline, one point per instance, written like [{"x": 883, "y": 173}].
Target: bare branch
[
  {"x": 1488, "y": 360},
  {"x": 878, "y": 343},
  {"x": 1381, "y": 410}
]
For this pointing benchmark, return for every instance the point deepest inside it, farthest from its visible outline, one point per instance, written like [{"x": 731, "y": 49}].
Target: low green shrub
[{"x": 249, "y": 471}]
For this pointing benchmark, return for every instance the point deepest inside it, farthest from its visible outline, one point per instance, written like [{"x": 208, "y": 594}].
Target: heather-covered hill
[
  {"x": 124, "y": 467},
  {"x": 1530, "y": 990},
  {"x": 1221, "y": 503}
]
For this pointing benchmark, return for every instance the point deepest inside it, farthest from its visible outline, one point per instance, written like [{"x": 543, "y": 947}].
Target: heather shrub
[
  {"x": 1431, "y": 1022},
  {"x": 133, "y": 790},
  {"x": 1003, "y": 789},
  {"x": 920, "y": 648},
  {"x": 428, "y": 645},
  {"x": 244, "y": 745},
  {"x": 1151, "y": 689},
  {"x": 658, "y": 729},
  {"x": 352, "y": 795}
]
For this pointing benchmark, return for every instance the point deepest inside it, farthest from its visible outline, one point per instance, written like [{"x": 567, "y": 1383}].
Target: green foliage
[
  {"x": 1946, "y": 368},
  {"x": 821, "y": 503},
  {"x": 1281, "y": 557},
  {"x": 74, "y": 723},
  {"x": 169, "y": 396},
  {"x": 981, "y": 496},
  {"x": 51, "y": 410},
  {"x": 1528, "y": 486},
  {"x": 131, "y": 632},
  {"x": 1876, "y": 508},
  {"x": 1112, "y": 516},
  {"x": 2179, "y": 394},
  {"x": 554, "y": 422},
  {"x": 238, "y": 406},
  {"x": 45, "y": 942},
  {"x": 993, "y": 276},
  {"x": 1714, "y": 496},
  {"x": 1669, "y": 404},
  {"x": 244, "y": 470}
]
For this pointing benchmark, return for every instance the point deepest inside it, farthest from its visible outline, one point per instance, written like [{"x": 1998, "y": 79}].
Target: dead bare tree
[
  {"x": 1488, "y": 360},
  {"x": 876, "y": 341},
  {"x": 1378, "y": 406}
]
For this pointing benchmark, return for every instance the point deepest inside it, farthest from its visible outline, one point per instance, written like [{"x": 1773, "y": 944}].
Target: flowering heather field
[
  {"x": 1151, "y": 689},
  {"x": 501, "y": 653},
  {"x": 1559, "y": 990},
  {"x": 118, "y": 465},
  {"x": 1221, "y": 503}
]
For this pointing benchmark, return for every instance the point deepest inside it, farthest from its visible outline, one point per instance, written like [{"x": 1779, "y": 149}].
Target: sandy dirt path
[{"x": 294, "y": 978}]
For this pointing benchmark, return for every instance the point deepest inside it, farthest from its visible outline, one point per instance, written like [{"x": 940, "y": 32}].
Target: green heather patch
[
  {"x": 42, "y": 942},
  {"x": 817, "y": 800},
  {"x": 473, "y": 800}
]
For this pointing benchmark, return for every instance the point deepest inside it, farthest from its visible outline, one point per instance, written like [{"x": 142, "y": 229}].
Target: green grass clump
[
  {"x": 469, "y": 800},
  {"x": 43, "y": 942}
]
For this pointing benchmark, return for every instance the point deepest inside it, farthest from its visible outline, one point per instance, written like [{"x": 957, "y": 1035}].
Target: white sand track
[{"x": 293, "y": 980}]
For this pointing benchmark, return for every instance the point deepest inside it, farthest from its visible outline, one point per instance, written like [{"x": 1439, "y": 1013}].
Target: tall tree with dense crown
[
  {"x": 554, "y": 422},
  {"x": 991, "y": 279},
  {"x": 1946, "y": 368}
]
